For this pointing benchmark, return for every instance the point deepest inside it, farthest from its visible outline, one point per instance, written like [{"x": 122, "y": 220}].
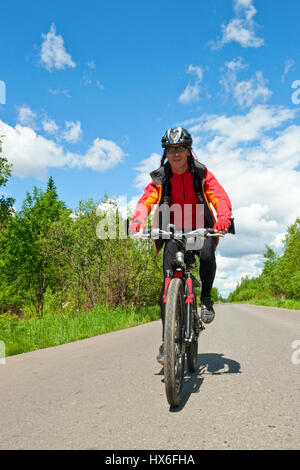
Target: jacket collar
[{"x": 164, "y": 172}]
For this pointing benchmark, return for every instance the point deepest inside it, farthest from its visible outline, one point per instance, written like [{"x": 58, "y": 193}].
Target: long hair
[{"x": 164, "y": 156}]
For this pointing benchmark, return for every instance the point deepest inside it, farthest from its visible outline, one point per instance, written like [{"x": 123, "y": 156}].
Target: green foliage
[
  {"x": 6, "y": 204},
  {"x": 215, "y": 295},
  {"x": 280, "y": 278},
  {"x": 8, "y": 321},
  {"x": 26, "y": 265},
  {"x": 53, "y": 260}
]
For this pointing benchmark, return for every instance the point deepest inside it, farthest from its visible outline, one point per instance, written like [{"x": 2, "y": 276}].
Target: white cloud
[
  {"x": 73, "y": 131},
  {"x": 245, "y": 92},
  {"x": 91, "y": 65},
  {"x": 146, "y": 166},
  {"x": 120, "y": 203},
  {"x": 240, "y": 29},
  {"x": 101, "y": 156},
  {"x": 288, "y": 64},
  {"x": 58, "y": 91},
  {"x": 227, "y": 132},
  {"x": 99, "y": 85},
  {"x": 26, "y": 116},
  {"x": 190, "y": 94},
  {"x": 32, "y": 154},
  {"x": 196, "y": 70},
  {"x": 53, "y": 53},
  {"x": 192, "y": 91},
  {"x": 236, "y": 64},
  {"x": 231, "y": 270},
  {"x": 50, "y": 126}
]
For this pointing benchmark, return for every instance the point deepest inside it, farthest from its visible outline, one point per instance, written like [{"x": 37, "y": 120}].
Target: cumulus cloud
[
  {"x": 53, "y": 54},
  {"x": 190, "y": 94},
  {"x": 32, "y": 154},
  {"x": 146, "y": 166},
  {"x": 50, "y": 126},
  {"x": 245, "y": 92},
  {"x": 73, "y": 131},
  {"x": 26, "y": 116},
  {"x": 101, "y": 156},
  {"x": 241, "y": 28},
  {"x": 250, "y": 91},
  {"x": 231, "y": 270}
]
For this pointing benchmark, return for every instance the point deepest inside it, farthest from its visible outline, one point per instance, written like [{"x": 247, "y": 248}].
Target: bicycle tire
[
  {"x": 192, "y": 350},
  {"x": 174, "y": 355}
]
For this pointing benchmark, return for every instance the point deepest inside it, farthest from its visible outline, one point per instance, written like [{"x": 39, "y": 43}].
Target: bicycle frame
[{"x": 182, "y": 266}]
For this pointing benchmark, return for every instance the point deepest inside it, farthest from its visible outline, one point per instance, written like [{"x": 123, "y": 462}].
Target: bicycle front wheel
[
  {"x": 173, "y": 342},
  {"x": 192, "y": 350}
]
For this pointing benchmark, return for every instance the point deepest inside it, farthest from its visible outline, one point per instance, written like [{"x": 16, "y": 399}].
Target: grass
[
  {"x": 53, "y": 329},
  {"x": 288, "y": 303}
]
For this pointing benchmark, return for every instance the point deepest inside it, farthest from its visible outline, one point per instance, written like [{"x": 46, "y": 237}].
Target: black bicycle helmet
[{"x": 176, "y": 135}]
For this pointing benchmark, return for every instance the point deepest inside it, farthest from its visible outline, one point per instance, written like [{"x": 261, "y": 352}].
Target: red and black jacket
[{"x": 196, "y": 186}]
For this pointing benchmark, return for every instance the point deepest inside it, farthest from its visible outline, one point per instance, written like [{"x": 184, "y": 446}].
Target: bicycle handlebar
[{"x": 157, "y": 233}]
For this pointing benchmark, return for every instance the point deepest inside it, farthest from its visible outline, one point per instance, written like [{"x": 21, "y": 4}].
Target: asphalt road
[{"x": 107, "y": 392}]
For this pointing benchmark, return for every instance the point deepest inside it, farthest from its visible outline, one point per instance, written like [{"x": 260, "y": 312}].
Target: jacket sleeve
[
  {"x": 217, "y": 195},
  {"x": 151, "y": 196}
]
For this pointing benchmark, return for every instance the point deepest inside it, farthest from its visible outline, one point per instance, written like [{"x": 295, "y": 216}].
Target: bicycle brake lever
[{"x": 215, "y": 235}]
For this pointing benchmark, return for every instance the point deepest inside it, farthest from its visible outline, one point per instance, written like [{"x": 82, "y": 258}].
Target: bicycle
[{"x": 182, "y": 323}]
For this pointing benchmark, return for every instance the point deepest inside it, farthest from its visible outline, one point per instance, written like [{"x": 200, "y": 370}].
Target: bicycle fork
[{"x": 190, "y": 334}]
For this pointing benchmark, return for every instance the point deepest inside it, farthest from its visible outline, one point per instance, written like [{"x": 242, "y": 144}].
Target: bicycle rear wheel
[{"x": 174, "y": 354}]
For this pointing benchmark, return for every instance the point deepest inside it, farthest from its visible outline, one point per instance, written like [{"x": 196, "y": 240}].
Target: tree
[
  {"x": 280, "y": 277},
  {"x": 26, "y": 267},
  {"x": 6, "y": 204}
]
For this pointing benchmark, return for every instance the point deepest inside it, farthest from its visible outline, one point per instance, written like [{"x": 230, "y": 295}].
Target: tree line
[
  {"x": 280, "y": 277},
  {"x": 52, "y": 259}
]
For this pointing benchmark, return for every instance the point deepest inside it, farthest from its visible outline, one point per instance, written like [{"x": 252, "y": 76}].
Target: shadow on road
[
  {"x": 207, "y": 364},
  {"x": 217, "y": 364}
]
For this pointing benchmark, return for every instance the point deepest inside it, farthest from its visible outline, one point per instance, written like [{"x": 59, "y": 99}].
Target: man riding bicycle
[{"x": 186, "y": 184}]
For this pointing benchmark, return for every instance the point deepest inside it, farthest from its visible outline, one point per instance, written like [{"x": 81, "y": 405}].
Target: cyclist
[{"x": 186, "y": 183}]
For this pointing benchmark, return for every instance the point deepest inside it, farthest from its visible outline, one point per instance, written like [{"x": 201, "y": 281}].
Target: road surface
[{"x": 107, "y": 392}]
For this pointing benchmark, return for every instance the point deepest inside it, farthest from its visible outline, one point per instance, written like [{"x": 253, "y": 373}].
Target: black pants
[{"x": 207, "y": 269}]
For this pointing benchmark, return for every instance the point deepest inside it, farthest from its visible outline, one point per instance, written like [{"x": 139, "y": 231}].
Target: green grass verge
[
  {"x": 53, "y": 329},
  {"x": 288, "y": 303}
]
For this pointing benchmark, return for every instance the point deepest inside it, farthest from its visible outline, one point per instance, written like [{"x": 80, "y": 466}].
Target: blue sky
[{"x": 91, "y": 88}]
